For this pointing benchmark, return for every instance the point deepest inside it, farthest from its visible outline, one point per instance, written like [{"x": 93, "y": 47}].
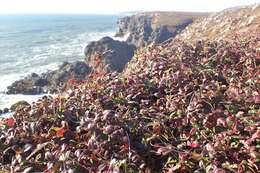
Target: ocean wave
[
  {"x": 44, "y": 57},
  {"x": 30, "y": 44},
  {"x": 7, "y": 80},
  {"x": 124, "y": 38},
  {"x": 26, "y": 48}
]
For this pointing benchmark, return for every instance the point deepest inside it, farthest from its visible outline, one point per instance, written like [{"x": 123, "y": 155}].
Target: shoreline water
[{"x": 37, "y": 44}]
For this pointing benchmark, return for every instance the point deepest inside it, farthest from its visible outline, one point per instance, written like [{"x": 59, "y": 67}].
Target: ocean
[{"x": 38, "y": 43}]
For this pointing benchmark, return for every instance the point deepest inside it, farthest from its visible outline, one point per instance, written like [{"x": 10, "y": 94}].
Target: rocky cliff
[
  {"x": 115, "y": 54},
  {"x": 140, "y": 29},
  {"x": 145, "y": 28}
]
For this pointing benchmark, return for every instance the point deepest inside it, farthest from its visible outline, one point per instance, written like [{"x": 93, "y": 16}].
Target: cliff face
[
  {"x": 145, "y": 28},
  {"x": 140, "y": 29}
]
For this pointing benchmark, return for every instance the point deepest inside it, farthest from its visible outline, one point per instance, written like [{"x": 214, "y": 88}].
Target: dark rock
[
  {"x": 6, "y": 110},
  {"x": 1, "y": 111},
  {"x": 19, "y": 105},
  {"x": 114, "y": 53},
  {"x": 50, "y": 81},
  {"x": 138, "y": 27}
]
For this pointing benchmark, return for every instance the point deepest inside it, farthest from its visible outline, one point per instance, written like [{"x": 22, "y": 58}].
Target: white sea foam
[
  {"x": 7, "y": 80},
  {"x": 39, "y": 46},
  {"x": 124, "y": 38},
  {"x": 70, "y": 51}
]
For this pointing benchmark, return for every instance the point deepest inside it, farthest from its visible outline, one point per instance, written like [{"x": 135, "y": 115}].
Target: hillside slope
[
  {"x": 224, "y": 25},
  {"x": 181, "y": 106}
]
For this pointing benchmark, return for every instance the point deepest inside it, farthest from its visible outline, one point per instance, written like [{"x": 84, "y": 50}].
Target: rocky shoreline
[{"x": 141, "y": 29}]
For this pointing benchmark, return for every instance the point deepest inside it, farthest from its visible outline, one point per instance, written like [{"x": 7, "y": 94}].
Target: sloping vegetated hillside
[
  {"x": 225, "y": 24},
  {"x": 177, "y": 107}
]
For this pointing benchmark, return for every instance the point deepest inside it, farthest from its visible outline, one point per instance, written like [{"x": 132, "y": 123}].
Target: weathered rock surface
[
  {"x": 115, "y": 54},
  {"x": 157, "y": 27},
  {"x": 50, "y": 81}
]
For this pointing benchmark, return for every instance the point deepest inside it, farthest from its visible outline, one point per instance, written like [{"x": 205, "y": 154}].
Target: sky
[{"x": 115, "y": 6}]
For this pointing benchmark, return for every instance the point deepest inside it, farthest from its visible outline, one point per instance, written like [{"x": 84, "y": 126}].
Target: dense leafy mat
[{"x": 178, "y": 107}]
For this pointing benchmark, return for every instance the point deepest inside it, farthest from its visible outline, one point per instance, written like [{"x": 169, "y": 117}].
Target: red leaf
[
  {"x": 157, "y": 130},
  {"x": 253, "y": 137},
  {"x": 60, "y": 132},
  {"x": 193, "y": 131},
  {"x": 10, "y": 122},
  {"x": 183, "y": 155},
  {"x": 193, "y": 144},
  {"x": 124, "y": 147}
]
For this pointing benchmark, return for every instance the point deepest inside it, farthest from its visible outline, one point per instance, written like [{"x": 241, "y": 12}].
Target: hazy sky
[{"x": 115, "y": 6}]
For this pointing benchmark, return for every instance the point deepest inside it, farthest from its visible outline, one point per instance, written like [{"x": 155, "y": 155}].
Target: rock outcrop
[
  {"x": 141, "y": 29},
  {"x": 50, "y": 81},
  {"x": 115, "y": 54},
  {"x": 157, "y": 27}
]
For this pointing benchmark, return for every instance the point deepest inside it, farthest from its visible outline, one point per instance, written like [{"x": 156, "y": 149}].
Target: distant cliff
[{"x": 145, "y": 28}]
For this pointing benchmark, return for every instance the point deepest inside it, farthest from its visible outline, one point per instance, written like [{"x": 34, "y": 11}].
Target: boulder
[
  {"x": 115, "y": 54},
  {"x": 6, "y": 110},
  {"x": 31, "y": 84}
]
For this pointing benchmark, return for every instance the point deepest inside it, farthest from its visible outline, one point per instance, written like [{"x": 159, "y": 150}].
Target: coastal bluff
[
  {"x": 138, "y": 30},
  {"x": 154, "y": 27}
]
